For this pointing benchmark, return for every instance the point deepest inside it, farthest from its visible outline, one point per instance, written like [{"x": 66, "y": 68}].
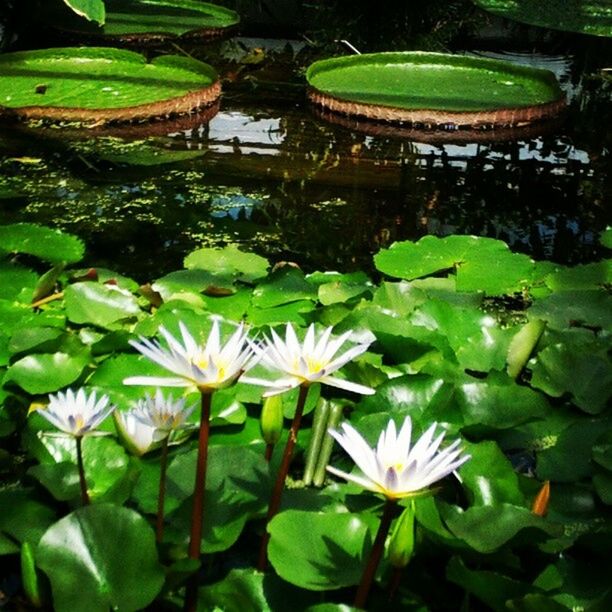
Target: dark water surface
[{"x": 268, "y": 173}]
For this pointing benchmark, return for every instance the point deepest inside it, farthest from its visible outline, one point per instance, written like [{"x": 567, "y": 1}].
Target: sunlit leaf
[
  {"x": 45, "y": 373},
  {"x": 332, "y": 549},
  {"x": 14, "y": 279},
  {"x": 43, "y": 242},
  {"x": 103, "y": 305},
  {"x": 282, "y": 287},
  {"x": 100, "y": 557},
  {"x": 228, "y": 261}
]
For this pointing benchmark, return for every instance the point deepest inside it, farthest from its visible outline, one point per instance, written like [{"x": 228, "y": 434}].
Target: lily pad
[
  {"x": 156, "y": 21},
  {"x": 49, "y": 244},
  {"x": 434, "y": 88},
  {"x": 586, "y": 16},
  {"x": 101, "y": 85},
  {"x": 101, "y": 557}
]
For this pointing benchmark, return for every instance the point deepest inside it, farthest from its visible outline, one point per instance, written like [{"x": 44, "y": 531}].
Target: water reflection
[{"x": 267, "y": 173}]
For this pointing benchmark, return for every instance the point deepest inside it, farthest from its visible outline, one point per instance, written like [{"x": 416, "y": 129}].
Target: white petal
[
  {"x": 161, "y": 381},
  {"x": 353, "y": 352},
  {"x": 347, "y": 385},
  {"x": 362, "y": 482},
  {"x": 213, "y": 344}
]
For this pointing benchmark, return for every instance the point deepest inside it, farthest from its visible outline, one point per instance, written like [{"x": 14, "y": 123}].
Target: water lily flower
[
  {"x": 209, "y": 367},
  {"x": 162, "y": 414},
  {"x": 75, "y": 413},
  {"x": 137, "y": 437},
  {"x": 396, "y": 468},
  {"x": 312, "y": 361}
]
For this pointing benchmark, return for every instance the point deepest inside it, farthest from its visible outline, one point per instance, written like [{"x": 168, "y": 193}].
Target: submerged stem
[
  {"x": 82, "y": 481},
  {"x": 159, "y": 531},
  {"x": 191, "y": 595},
  {"x": 279, "y": 485},
  {"x": 375, "y": 555}
]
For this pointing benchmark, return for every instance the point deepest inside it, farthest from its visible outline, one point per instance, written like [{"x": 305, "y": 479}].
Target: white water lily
[
  {"x": 161, "y": 413},
  {"x": 207, "y": 367},
  {"x": 137, "y": 437},
  {"x": 312, "y": 361},
  {"x": 75, "y": 413},
  {"x": 396, "y": 468}
]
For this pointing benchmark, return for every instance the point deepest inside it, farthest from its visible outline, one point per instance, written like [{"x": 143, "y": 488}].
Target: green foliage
[
  {"x": 517, "y": 365},
  {"x": 331, "y": 550},
  {"x": 101, "y": 557},
  {"x": 169, "y": 17},
  {"x": 93, "y": 10},
  {"x": 444, "y": 82},
  {"x": 95, "y": 78},
  {"x": 50, "y": 245},
  {"x": 585, "y": 16}
]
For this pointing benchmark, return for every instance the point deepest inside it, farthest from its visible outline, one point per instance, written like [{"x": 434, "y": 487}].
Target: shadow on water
[{"x": 269, "y": 174}]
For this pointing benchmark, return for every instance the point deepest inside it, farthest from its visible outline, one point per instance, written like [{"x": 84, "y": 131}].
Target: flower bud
[
  {"x": 272, "y": 419},
  {"x": 542, "y": 499},
  {"x": 401, "y": 545}
]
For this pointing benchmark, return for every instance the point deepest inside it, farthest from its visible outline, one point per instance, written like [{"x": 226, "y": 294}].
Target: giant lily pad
[
  {"x": 153, "y": 21},
  {"x": 432, "y": 89},
  {"x": 586, "y": 16},
  {"x": 101, "y": 85}
]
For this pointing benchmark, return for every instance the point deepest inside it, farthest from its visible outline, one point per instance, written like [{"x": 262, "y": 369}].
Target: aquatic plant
[{"x": 509, "y": 355}]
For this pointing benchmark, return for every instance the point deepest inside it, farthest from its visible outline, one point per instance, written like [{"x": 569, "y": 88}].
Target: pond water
[{"x": 268, "y": 173}]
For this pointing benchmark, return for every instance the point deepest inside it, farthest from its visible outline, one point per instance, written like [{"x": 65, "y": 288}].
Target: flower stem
[
  {"x": 191, "y": 594},
  {"x": 375, "y": 555},
  {"x": 283, "y": 470},
  {"x": 83, "y": 482},
  {"x": 269, "y": 451},
  {"x": 162, "y": 491},
  {"x": 394, "y": 582}
]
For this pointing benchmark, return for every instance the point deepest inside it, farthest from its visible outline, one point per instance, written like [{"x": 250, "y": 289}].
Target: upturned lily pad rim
[
  {"x": 159, "y": 37},
  {"x": 438, "y": 135},
  {"x": 427, "y": 117},
  {"x": 189, "y": 102}
]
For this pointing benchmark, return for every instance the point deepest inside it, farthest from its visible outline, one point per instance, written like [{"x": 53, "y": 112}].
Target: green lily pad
[
  {"x": 47, "y": 372},
  {"x": 22, "y": 517},
  {"x": 101, "y": 557},
  {"x": 99, "y": 84},
  {"x": 473, "y": 525},
  {"x": 48, "y": 244},
  {"x": 15, "y": 278},
  {"x": 586, "y": 16},
  {"x": 90, "y": 9},
  {"x": 433, "y": 88},
  {"x": 229, "y": 261},
  {"x": 159, "y": 20},
  {"x": 481, "y": 264},
  {"x": 103, "y": 305},
  {"x": 331, "y": 547},
  {"x": 580, "y": 368}
]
